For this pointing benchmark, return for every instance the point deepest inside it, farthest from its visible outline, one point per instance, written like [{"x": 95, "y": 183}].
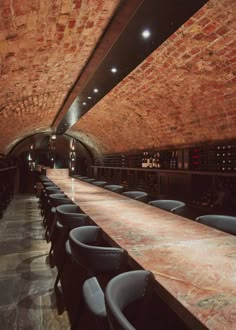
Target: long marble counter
[{"x": 194, "y": 265}]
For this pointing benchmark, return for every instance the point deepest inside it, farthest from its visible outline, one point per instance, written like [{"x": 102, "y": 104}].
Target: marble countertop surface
[{"x": 194, "y": 265}]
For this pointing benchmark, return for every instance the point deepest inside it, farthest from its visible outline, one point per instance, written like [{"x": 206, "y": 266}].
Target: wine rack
[
  {"x": 213, "y": 158},
  {"x": 218, "y": 158}
]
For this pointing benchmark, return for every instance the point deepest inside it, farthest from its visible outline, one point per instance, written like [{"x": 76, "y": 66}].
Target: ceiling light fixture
[
  {"x": 84, "y": 103},
  {"x": 95, "y": 90},
  {"x": 113, "y": 70},
  {"x": 89, "y": 97},
  {"x": 146, "y": 34}
]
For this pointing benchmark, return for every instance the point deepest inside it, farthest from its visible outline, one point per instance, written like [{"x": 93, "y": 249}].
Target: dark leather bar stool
[
  {"x": 99, "y": 183},
  {"x": 43, "y": 193},
  {"x": 43, "y": 177},
  {"x": 168, "y": 205},
  {"x": 140, "y": 196},
  {"x": 81, "y": 177},
  {"x": 89, "y": 180},
  {"x": 55, "y": 200},
  {"x": 46, "y": 192},
  {"x": 121, "y": 292},
  {"x": 99, "y": 265},
  {"x": 222, "y": 222},
  {"x": 69, "y": 216},
  {"x": 115, "y": 188},
  {"x": 46, "y": 204}
]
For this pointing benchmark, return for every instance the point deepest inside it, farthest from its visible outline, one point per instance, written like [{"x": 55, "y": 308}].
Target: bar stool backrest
[
  {"x": 99, "y": 183},
  {"x": 48, "y": 184},
  {"x": 53, "y": 190},
  {"x": 89, "y": 180},
  {"x": 221, "y": 222},
  {"x": 115, "y": 188},
  {"x": 43, "y": 177},
  {"x": 137, "y": 195},
  {"x": 85, "y": 249},
  {"x": 59, "y": 199},
  {"x": 121, "y": 291},
  {"x": 168, "y": 205},
  {"x": 71, "y": 216}
]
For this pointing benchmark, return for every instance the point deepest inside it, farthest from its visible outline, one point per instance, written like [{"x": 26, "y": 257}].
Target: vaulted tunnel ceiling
[
  {"x": 183, "y": 93},
  {"x": 44, "y": 45}
]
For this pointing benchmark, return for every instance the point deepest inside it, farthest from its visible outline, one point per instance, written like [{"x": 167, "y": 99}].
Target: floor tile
[{"x": 27, "y": 299}]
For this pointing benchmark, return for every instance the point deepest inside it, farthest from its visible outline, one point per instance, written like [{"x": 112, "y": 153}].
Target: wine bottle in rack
[
  {"x": 158, "y": 160},
  {"x": 143, "y": 160},
  {"x": 172, "y": 160},
  {"x": 148, "y": 160},
  {"x": 154, "y": 161}
]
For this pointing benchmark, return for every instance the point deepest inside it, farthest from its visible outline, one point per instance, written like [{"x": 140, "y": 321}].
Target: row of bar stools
[
  {"x": 85, "y": 267},
  {"x": 172, "y": 206},
  {"x": 60, "y": 216}
]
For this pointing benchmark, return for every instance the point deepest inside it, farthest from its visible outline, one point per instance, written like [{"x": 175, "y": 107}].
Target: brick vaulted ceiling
[
  {"x": 182, "y": 94},
  {"x": 44, "y": 45}
]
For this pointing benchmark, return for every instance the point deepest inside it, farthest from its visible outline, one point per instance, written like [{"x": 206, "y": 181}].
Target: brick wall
[
  {"x": 184, "y": 93},
  {"x": 44, "y": 44}
]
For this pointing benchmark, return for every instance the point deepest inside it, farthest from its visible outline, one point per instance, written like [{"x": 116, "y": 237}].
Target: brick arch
[{"x": 44, "y": 45}]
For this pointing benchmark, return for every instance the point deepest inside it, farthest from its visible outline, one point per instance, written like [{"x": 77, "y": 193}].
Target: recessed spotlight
[
  {"x": 114, "y": 70},
  {"x": 89, "y": 97},
  {"x": 84, "y": 103},
  {"x": 95, "y": 90},
  {"x": 146, "y": 34}
]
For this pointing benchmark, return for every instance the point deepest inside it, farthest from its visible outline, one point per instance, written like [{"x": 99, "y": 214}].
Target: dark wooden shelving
[{"x": 227, "y": 174}]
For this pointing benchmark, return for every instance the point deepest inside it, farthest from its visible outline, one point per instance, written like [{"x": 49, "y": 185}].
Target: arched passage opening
[{"x": 48, "y": 151}]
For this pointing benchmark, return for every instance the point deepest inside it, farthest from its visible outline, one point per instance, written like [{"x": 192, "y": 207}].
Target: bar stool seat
[
  {"x": 168, "y": 205},
  {"x": 222, "y": 222},
  {"x": 137, "y": 195},
  {"x": 122, "y": 291},
  {"x": 89, "y": 180},
  {"x": 115, "y": 188}
]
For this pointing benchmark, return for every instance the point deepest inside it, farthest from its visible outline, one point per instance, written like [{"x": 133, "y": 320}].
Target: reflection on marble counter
[
  {"x": 81, "y": 191},
  {"x": 193, "y": 263}
]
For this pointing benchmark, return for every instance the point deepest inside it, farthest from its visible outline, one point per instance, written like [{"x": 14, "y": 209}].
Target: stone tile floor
[{"x": 27, "y": 300}]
